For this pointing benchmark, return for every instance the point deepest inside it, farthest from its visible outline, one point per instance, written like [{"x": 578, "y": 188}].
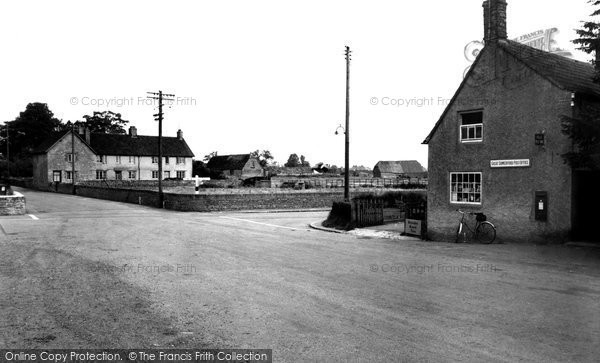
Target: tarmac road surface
[{"x": 87, "y": 273}]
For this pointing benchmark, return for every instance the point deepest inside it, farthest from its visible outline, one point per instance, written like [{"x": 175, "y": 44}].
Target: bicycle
[{"x": 484, "y": 231}]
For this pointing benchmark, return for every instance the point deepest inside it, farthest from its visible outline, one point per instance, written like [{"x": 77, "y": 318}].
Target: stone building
[
  {"x": 241, "y": 166},
  {"x": 100, "y": 156},
  {"x": 498, "y": 147}
]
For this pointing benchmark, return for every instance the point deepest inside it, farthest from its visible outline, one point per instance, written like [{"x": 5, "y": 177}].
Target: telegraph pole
[
  {"x": 160, "y": 96},
  {"x": 347, "y": 129},
  {"x": 73, "y": 156}
]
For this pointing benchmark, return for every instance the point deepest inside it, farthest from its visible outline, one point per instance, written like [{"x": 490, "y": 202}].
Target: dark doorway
[{"x": 586, "y": 203}]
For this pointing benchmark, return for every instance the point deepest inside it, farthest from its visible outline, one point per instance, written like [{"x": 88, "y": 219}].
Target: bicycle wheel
[
  {"x": 458, "y": 233},
  {"x": 486, "y": 233}
]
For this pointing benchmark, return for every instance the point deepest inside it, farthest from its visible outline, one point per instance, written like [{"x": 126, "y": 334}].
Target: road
[{"x": 79, "y": 272}]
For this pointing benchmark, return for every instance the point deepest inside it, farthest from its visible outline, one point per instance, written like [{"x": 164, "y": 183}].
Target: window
[
  {"x": 132, "y": 174},
  {"x": 465, "y": 188},
  {"x": 118, "y": 175},
  {"x": 253, "y": 165},
  {"x": 57, "y": 176},
  {"x": 166, "y": 159},
  {"x": 471, "y": 127},
  {"x": 132, "y": 160},
  {"x": 69, "y": 175},
  {"x": 100, "y": 174},
  {"x": 118, "y": 159},
  {"x": 155, "y": 160},
  {"x": 180, "y": 160},
  {"x": 154, "y": 174},
  {"x": 100, "y": 158},
  {"x": 167, "y": 174},
  {"x": 70, "y": 158},
  {"x": 181, "y": 174}
]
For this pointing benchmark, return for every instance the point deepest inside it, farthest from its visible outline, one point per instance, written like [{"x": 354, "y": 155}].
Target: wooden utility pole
[
  {"x": 347, "y": 129},
  {"x": 160, "y": 96},
  {"x": 73, "y": 157}
]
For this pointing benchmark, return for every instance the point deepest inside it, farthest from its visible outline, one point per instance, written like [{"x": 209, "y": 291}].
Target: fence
[
  {"x": 367, "y": 212},
  {"x": 322, "y": 182}
]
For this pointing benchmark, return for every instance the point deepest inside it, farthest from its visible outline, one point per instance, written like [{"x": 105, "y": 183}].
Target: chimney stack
[
  {"x": 86, "y": 133},
  {"x": 133, "y": 131},
  {"x": 494, "y": 21},
  {"x": 180, "y": 134}
]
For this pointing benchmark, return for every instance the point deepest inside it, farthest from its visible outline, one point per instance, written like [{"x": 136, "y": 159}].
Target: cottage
[
  {"x": 497, "y": 148},
  {"x": 242, "y": 166},
  {"x": 396, "y": 169},
  {"x": 98, "y": 156}
]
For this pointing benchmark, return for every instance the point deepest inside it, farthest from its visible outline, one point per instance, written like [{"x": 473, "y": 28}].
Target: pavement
[
  {"x": 394, "y": 231},
  {"x": 86, "y": 273}
]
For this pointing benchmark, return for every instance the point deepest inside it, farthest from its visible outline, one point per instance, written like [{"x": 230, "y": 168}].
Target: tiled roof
[
  {"x": 565, "y": 73},
  {"x": 569, "y": 74},
  {"x": 228, "y": 162},
  {"x": 400, "y": 167},
  {"x": 122, "y": 144},
  {"x": 115, "y": 144}
]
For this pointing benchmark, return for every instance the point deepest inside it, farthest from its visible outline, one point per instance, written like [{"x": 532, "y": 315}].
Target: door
[
  {"x": 57, "y": 176},
  {"x": 586, "y": 200}
]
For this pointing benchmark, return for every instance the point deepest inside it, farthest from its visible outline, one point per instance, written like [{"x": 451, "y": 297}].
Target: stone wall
[{"x": 12, "y": 204}]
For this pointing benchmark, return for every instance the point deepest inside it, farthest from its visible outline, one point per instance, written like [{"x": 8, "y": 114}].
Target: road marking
[
  {"x": 262, "y": 224},
  {"x": 33, "y": 217}
]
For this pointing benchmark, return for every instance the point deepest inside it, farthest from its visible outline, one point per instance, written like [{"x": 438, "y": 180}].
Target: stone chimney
[
  {"x": 494, "y": 21},
  {"x": 180, "y": 134},
  {"x": 84, "y": 132},
  {"x": 132, "y": 131}
]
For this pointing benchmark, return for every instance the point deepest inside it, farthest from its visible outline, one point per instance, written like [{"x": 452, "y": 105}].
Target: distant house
[
  {"x": 402, "y": 168},
  {"x": 100, "y": 156},
  {"x": 242, "y": 166}
]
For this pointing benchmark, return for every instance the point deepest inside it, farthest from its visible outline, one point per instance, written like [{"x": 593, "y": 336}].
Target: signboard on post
[{"x": 412, "y": 227}]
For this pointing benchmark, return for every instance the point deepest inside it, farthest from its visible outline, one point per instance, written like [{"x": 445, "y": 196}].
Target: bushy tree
[
  {"x": 107, "y": 122},
  {"x": 293, "y": 161},
  {"x": 264, "y": 157},
  {"x": 584, "y": 130}
]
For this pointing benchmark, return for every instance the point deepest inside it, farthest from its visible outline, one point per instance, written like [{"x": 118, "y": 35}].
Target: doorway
[{"x": 585, "y": 204}]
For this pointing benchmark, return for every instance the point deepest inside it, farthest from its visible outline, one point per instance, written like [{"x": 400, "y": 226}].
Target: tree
[
  {"x": 584, "y": 129},
  {"x": 209, "y": 156},
  {"x": 589, "y": 38},
  {"x": 293, "y": 161},
  {"x": 304, "y": 162},
  {"x": 264, "y": 157},
  {"x": 34, "y": 125},
  {"x": 107, "y": 122},
  {"x": 199, "y": 168}
]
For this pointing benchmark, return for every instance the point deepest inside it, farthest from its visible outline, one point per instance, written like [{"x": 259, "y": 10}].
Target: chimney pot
[{"x": 180, "y": 134}]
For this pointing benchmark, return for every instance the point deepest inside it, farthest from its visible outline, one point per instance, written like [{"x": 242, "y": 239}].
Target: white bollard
[{"x": 197, "y": 184}]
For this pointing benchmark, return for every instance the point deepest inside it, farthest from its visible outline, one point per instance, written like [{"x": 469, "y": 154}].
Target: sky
[{"x": 253, "y": 75}]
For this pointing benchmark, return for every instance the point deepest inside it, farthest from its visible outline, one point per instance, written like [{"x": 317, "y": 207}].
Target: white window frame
[
  {"x": 102, "y": 174},
  {"x": 155, "y": 160},
  {"x": 118, "y": 159},
  {"x": 180, "y": 160},
  {"x": 166, "y": 160},
  {"x": 154, "y": 174},
  {"x": 70, "y": 157},
  {"x": 180, "y": 174},
  {"x": 131, "y": 159},
  {"x": 469, "y": 127},
  {"x": 468, "y": 188},
  {"x": 132, "y": 174},
  {"x": 166, "y": 174}
]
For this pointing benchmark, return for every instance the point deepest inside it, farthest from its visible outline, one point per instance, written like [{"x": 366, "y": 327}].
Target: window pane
[
  {"x": 472, "y": 118},
  {"x": 478, "y": 131}
]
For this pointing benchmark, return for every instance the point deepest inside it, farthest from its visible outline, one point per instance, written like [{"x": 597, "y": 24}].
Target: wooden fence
[{"x": 367, "y": 212}]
